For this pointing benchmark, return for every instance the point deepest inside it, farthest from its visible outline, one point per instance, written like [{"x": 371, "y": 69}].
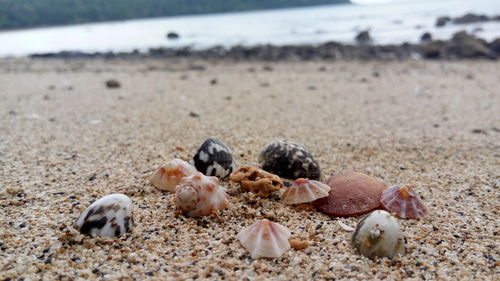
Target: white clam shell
[
  {"x": 109, "y": 216},
  {"x": 265, "y": 238},
  {"x": 168, "y": 176},
  {"x": 379, "y": 235},
  {"x": 199, "y": 195},
  {"x": 304, "y": 190}
]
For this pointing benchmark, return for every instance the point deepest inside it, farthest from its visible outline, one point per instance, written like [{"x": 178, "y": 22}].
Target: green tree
[{"x": 30, "y": 13}]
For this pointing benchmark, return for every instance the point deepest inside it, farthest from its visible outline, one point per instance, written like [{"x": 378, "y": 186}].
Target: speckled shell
[
  {"x": 379, "y": 235},
  {"x": 351, "y": 194},
  {"x": 168, "y": 176},
  {"x": 265, "y": 238},
  {"x": 404, "y": 202},
  {"x": 109, "y": 216},
  {"x": 214, "y": 159},
  {"x": 304, "y": 190},
  {"x": 199, "y": 195},
  {"x": 289, "y": 160}
]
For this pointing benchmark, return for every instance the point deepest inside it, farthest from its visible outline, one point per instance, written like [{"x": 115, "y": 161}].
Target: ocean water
[{"x": 394, "y": 22}]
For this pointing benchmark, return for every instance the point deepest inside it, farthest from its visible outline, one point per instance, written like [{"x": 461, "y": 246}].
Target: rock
[
  {"x": 495, "y": 46},
  {"x": 431, "y": 50},
  {"x": 364, "y": 38},
  {"x": 109, "y": 216},
  {"x": 426, "y": 37},
  {"x": 442, "y": 21},
  {"x": 113, "y": 84},
  {"x": 468, "y": 46},
  {"x": 173, "y": 35},
  {"x": 470, "y": 18}
]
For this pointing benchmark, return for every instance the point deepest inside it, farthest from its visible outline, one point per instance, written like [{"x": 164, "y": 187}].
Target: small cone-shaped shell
[
  {"x": 404, "y": 202},
  {"x": 351, "y": 194},
  {"x": 304, "y": 190},
  {"x": 168, "y": 176},
  {"x": 199, "y": 195},
  {"x": 265, "y": 238}
]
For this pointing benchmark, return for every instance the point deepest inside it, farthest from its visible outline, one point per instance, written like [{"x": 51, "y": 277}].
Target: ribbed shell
[
  {"x": 351, "y": 194},
  {"x": 304, "y": 190},
  {"x": 199, "y": 195},
  {"x": 168, "y": 176},
  {"x": 265, "y": 238},
  {"x": 404, "y": 202}
]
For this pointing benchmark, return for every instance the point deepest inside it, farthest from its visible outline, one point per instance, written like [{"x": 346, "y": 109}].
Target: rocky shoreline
[{"x": 462, "y": 45}]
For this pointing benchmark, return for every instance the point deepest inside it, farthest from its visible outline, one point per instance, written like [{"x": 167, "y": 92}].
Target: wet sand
[{"x": 67, "y": 140}]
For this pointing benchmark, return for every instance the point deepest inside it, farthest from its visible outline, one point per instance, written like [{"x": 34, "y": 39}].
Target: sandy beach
[{"x": 66, "y": 140}]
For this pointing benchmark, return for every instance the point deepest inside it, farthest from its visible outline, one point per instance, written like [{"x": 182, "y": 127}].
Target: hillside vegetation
[{"x": 31, "y": 13}]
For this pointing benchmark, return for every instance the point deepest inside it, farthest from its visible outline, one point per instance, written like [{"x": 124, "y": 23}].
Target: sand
[{"x": 67, "y": 140}]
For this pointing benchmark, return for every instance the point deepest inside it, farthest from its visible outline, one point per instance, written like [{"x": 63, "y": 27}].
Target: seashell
[
  {"x": 304, "y": 190},
  {"x": 298, "y": 244},
  {"x": 265, "y": 238},
  {"x": 214, "y": 159},
  {"x": 345, "y": 226},
  {"x": 379, "y": 235},
  {"x": 109, "y": 216},
  {"x": 289, "y": 160},
  {"x": 199, "y": 195},
  {"x": 256, "y": 180},
  {"x": 351, "y": 194},
  {"x": 404, "y": 202},
  {"x": 168, "y": 176}
]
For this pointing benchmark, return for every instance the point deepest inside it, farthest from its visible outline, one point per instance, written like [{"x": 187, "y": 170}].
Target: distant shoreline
[{"x": 461, "y": 46}]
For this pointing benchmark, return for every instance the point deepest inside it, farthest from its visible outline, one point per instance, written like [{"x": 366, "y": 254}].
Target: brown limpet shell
[
  {"x": 256, "y": 180},
  {"x": 404, "y": 202},
  {"x": 351, "y": 194}
]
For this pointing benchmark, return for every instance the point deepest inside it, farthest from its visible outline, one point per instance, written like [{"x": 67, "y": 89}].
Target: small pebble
[{"x": 113, "y": 84}]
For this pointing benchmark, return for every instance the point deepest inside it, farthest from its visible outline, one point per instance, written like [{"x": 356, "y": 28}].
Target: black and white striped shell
[
  {"x": 109, "y": 216},
  {"x": 289, "y": 160},
  {"x": 214, "y": 159}
]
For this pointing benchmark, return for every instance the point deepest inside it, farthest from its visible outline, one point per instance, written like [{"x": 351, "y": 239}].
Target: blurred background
[{"x": 48, "y": 26}]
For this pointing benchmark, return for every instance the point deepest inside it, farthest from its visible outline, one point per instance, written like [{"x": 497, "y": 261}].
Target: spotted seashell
[
  {"x": 304, "y": 190},
  {"x": 199, "y": 195},
  {"x": 404, "y": 202},
  {"x": 214, "y": 159},
  {"x": 289, "y": 160},
  {"x": 168, "y": 176},
  {"x": 265, "y": 238},
  {"x": 379, "y": 235},
  {"x": 351, "y": 194},
  {"x": 109, "y": 216}
]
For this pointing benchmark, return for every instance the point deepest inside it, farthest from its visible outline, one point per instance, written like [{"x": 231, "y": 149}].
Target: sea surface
[{"x": 395, "y": 22}]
